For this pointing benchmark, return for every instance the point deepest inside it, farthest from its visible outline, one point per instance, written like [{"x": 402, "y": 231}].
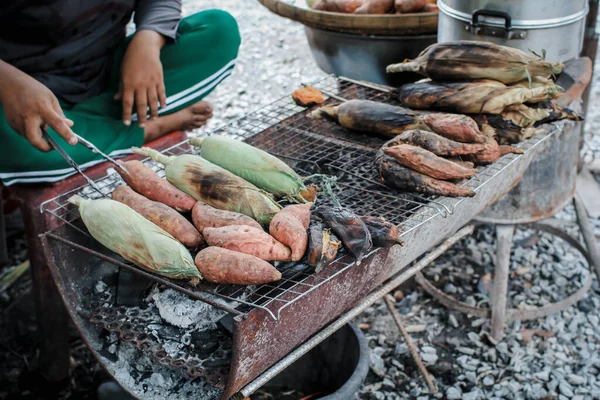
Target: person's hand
[
  {"x": 142, "y": 77},
  {"x": 29, "y": 107}
]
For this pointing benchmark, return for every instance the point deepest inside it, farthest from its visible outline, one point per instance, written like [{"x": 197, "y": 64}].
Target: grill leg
[
  {"x": 588, "y": 234},
  {"x": 504, "y": 235},
  {"x": 3, "y": 245},
  {"x": 52, "y": 317}
]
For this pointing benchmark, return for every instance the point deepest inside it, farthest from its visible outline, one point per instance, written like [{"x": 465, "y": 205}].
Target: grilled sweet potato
[
  {"x": 427, "y": 163},
  {"x": 349, "y": 228},
  {"x": 248, "y": 240},
  {"x": 459, "y": 128},
  {"x": 435, "y": 143},
  {"x": 375, "y": 7},
  {"x": 146, "y": 182},
  {"x": 163, "y": 216},
  {"x": 308, "y": 96},
  {"x": 322, "y": 247},
  {"x": 206, "y": 216},
  {"x": 396, "y": 176},
  {"x": 383, "y": 233},
  {"x": 354, "y": 6},
  {"x": 492, "y": 154},
  {"x": 289, "y": 227},
  {"x": 409, "y": 6},
  {"x": 219, "y": 265}
]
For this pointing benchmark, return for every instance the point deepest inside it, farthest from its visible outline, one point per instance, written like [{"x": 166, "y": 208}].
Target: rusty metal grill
[{"x": 309, "y": 146}]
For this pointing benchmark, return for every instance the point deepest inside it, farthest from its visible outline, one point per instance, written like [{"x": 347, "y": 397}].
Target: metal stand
[{"x": 499, "y": 313}]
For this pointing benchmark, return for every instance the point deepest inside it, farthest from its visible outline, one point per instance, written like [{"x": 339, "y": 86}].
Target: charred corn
[
  {"x": 136, "y": 239},
  {"x": 469, "y": 60},
  {"x": 553, "y": 90},
  {"x": 254, "y": 165},
  {"x": 485, "y": 96},
  {"x": 213, "y": 185}
]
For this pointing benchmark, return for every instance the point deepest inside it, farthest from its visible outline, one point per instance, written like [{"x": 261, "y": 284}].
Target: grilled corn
[
  {"x": 213, "y": 185},
  {"x": 484, "y": 96},
  {"x": 254, "y": 165},
  {"x": 468, "y": 60},
  {"x": 136, "y": 239}
]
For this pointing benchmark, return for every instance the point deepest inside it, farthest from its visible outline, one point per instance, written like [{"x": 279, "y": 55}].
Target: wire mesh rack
[{"x": 310, "y": 146}]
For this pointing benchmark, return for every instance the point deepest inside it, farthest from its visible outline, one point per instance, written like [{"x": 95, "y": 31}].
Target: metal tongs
[{"x": 72, "y": 162}]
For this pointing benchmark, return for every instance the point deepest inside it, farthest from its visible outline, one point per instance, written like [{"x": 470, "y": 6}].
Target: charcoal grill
[{"x": 272, "y": 324}]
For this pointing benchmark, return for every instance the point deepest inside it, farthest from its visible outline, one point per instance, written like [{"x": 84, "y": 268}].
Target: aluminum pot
[
  {"x": 365, "y": 57},
  {"x": 556, "y": 26}
]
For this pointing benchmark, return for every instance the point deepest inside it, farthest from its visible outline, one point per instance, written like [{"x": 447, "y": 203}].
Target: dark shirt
[{"x": 68, "y": 45}]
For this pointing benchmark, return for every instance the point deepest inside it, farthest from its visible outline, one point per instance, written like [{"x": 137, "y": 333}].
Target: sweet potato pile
[{"x": 376, "y": 6}]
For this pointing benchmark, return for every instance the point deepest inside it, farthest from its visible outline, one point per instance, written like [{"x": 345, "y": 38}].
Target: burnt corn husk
[
  {"x": 383, "y": 233},
  {"x": 470, "y": 60},
  {"x": 553, "y": 90},
  {"x": 349, "y": 228},
  {"x": 435, "y": 143},
  {"x": 372, "y": 117},
  {"x": 476, "y": 97},
  {"x": 322, "y": 247},
  {"x": 404, "y": 179}
]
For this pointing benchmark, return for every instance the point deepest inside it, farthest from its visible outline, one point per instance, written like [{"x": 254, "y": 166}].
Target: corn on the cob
[
  {"x": 485, "y": 96},
  {"x": 254, "y": 165},
  {"x": 213, "y": 185},
  {"x": 525, "y": 116},
  {"x": 136, "y": 239},
  {"x": 553, "y": 90},
  {"x": 468, "y": 60}
]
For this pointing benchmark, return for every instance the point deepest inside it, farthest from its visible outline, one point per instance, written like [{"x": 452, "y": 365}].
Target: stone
[
  {"x": 475, "y": 394},
  {"x": 576, "y": 380},
  {"x": 543, "y": 375},
  {"x": 453, "y": 393},
  {"x": 488, "y": 380},
  {"x": 388, "y": 383},
  {"x": 377, "y": 364},
  {"x": 566, "y": 389},
  {"x": 465, "y": 350},
  {"x": 450, "y": 289},
  {"x": 429, "y": 358},
  {"x": 452, "y": 321}
]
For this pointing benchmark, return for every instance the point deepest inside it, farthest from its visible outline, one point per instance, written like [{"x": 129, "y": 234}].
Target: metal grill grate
[{"x": 309, "y": 146}]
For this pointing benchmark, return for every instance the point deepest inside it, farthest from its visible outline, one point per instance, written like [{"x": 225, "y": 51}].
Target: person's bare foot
[{"x": 187, "y": 119}]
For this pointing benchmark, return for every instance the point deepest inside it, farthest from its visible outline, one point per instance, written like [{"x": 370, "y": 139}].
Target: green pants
[{"x": 202, "y": 57}]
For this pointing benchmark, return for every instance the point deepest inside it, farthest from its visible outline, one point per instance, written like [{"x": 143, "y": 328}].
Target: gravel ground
[{"x": 555, "y": 357}]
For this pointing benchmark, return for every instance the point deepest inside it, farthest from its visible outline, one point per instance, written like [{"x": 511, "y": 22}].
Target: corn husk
[
  {"x": 485, "y": 96},
  {"x": 553, "y": 91},
  {"x": 471, "y": 60},
  {"x": 127, "y": 233},
  {"x": 254, "y": 165},
  {"x": 525, "y": 116},
  {"x": 213, "y": 185}
]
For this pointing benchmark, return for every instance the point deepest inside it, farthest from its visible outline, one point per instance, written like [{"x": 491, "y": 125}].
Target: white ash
[
  {"x": 179, "y": 310},
  {"x": 100, "y": 287},
  {"x": 151, "y": 380}
]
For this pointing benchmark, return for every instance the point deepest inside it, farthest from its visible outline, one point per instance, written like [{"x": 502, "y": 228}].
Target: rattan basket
[{"x": 378, "y": 25}]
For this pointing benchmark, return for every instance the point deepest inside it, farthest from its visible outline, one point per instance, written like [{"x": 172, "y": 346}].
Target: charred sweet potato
[
  {"x": 383, "y": 233},
  {"x": 248, "y": 240},
  {"x": 427, "y": 163},
  {"x": 146, "y": 182},
  {"x": 220, "y": 265},
  {"x": 435, "y": 143},
  {"x": 459, "y": 128},
  {"x": 322, "y": 247},
  {"x": 347, "y": 226},
  {"x": 396, "y": 176},
  {"x": 492, "y": 154},
  {"x": 162, "y": 215},
  {"x": 205, "y": 216}
]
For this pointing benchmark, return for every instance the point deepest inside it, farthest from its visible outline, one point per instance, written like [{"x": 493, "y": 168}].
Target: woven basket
[{"x": 378, "y": 25}]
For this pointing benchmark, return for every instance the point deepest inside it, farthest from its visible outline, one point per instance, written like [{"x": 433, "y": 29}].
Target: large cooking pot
[{"x": 556, "y": 26}]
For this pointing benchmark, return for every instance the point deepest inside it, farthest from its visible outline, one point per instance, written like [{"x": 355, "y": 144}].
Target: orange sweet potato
[
  {"x": 308, "y": 96},
  {"x": 248, "y": 240},
  {"x": 206, "y": 216},
  {"x": 146, "y": 182},
  {"x": 409, "y": 6},
  {"x": 427, "y": 163},
  {"x": 164, "y": 216},
  {"x": 289, "y": 227},
  {"x": 219, "y": 265}
]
